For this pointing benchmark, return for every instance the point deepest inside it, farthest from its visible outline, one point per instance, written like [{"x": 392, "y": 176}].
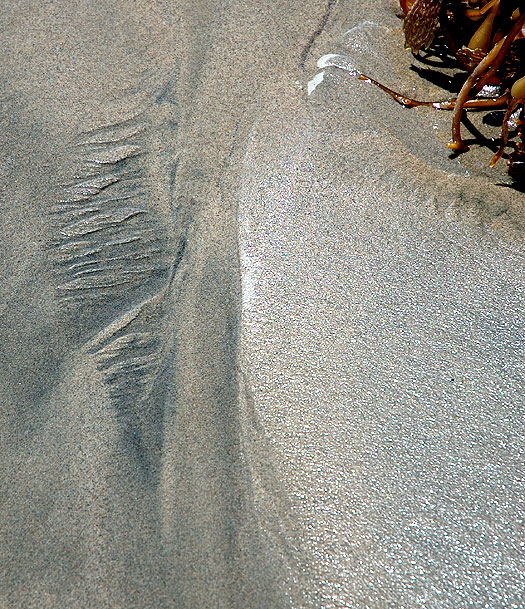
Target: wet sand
[{"x": 262, "y": 341}]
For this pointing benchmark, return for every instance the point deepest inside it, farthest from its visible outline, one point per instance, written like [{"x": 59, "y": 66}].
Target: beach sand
[{"x": 262, "y": 338}]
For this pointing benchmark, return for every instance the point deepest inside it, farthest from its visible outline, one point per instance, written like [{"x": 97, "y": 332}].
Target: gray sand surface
[{"x": 262, "y": 339}]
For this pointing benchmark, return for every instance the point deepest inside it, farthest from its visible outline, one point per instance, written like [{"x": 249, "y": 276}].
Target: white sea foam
[
  {"x": 316, "y": 80},
  {"x": 326, "y": 60}
]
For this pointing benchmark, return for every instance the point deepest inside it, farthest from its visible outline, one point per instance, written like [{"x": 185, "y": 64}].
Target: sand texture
[{"x": 262, "y": 338}]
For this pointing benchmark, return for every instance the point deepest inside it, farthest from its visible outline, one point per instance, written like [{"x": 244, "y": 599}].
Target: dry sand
[{"x": 259, "y": 348}]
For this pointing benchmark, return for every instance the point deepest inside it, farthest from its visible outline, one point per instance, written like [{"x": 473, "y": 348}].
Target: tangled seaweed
[{"x": 487, "y": 40}]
